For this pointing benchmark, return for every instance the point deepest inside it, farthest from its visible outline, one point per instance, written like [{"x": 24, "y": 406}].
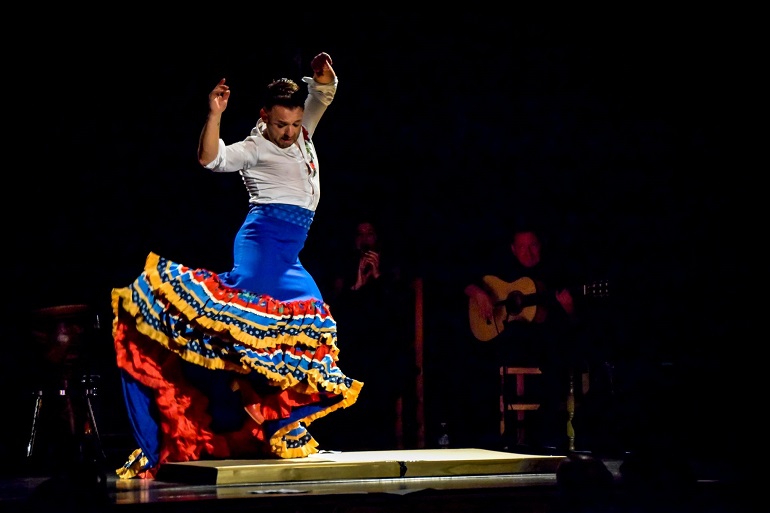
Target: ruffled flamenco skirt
[{"x": 215, "y": 372}]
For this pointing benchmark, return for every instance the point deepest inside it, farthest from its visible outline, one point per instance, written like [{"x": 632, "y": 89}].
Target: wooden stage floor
[
  {"x": 341, "y": 466},
  {"x": 422, "y": 480}
]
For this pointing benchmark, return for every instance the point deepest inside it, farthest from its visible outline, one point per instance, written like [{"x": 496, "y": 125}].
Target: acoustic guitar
[{"x": 520, "y": 300}]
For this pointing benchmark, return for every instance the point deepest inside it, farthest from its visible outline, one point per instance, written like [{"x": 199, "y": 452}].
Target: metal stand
[
  {"x": 77, "y": 412},
  {"x": 35, "y": 422}
]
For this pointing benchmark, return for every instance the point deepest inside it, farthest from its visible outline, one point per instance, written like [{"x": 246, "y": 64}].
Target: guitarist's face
[{"x": 526, "y": 248}]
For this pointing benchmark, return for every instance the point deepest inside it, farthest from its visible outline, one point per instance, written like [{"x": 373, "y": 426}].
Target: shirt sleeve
[
  {"x": 235, "y": 157},
  {"x": 319, "y": 97},
  {"x": 218, "y": 159}
]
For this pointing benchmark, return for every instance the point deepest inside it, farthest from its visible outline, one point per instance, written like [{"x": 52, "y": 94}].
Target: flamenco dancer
[{"x": 238, "y": 364}]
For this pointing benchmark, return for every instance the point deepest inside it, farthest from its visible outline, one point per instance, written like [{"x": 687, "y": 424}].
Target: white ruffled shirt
[{"x": 280, "y": 175}]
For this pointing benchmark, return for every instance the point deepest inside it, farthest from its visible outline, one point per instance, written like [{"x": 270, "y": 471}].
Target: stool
[
  {"x": 517, "y": 402},
  {"x": 65, "y": 384}
]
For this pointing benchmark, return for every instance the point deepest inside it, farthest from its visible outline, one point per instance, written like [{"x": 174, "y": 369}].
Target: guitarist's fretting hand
[{"x": 564, "y": 297}]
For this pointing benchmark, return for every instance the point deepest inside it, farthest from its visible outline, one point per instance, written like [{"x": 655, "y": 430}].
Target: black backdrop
[{"x": 615, "y": 134}]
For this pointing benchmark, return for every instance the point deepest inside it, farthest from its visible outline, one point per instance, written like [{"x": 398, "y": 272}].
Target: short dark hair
[
  {"x": 284, "y": 92},
  {"x": 529, "y": 226}
]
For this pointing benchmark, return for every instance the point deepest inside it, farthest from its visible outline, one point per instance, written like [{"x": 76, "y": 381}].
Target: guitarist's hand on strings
[{"x": 484, "y": 303}]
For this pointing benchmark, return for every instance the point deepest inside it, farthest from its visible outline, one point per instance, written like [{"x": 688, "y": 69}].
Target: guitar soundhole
[{"x": 514, "y": 303}]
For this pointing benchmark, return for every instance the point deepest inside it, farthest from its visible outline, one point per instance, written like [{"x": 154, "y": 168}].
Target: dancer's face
[{"x": 283, "y": 125}]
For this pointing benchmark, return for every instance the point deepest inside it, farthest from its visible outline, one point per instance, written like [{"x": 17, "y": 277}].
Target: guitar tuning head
[{"x": 599, "y": 289}]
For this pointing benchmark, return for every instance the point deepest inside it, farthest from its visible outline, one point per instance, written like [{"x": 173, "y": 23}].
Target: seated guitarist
[{"x": 523, "y": 319}]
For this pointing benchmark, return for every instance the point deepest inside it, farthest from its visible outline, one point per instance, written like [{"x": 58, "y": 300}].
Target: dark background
[{"x": 614, "y": 131}]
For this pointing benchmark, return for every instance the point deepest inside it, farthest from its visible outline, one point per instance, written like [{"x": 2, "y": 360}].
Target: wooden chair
[
  {"x": 519, "y": 403},
  {"x": 516, "y": 402}
]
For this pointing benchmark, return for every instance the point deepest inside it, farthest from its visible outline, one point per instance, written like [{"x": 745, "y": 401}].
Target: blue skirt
[{"x": 235, "y": 364}]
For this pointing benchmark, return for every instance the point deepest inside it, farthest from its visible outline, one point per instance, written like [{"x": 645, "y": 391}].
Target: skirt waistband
[{"x": 289, "y": 213}]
